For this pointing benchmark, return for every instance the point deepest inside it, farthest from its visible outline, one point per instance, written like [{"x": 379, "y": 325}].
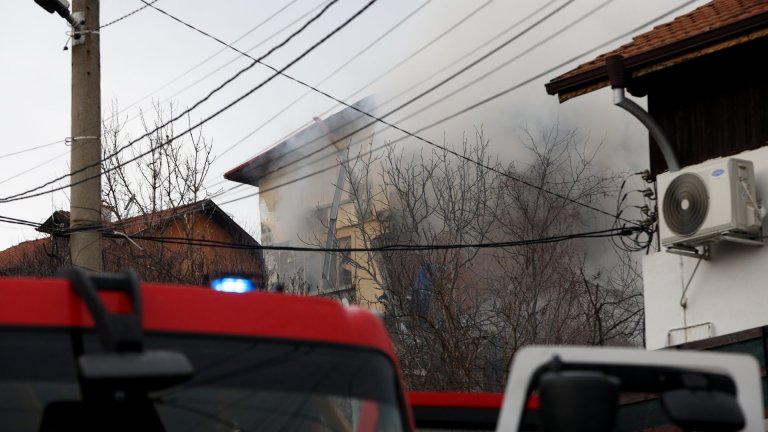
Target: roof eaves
[
  {"x": 311, "y": 139},
  {"x": 751, "y": 28}
]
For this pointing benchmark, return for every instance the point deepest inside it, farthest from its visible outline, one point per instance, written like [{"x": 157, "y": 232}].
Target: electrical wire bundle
[
  {"x": 112, "y": 232},
  {"x": 645, "y": 228}
]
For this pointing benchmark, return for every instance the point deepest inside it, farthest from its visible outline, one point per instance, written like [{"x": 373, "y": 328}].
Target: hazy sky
[{"x": 148, "y": 56}]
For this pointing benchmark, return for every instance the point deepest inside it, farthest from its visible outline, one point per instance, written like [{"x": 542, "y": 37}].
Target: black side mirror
[
  {"x": 578, "y": 401},
  {"x": 142, "y": 371},
  {"x": 703, "y": 410},
  {"x": 124, "y": 364}
]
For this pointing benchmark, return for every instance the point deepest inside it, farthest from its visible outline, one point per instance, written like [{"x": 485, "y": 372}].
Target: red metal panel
[
  {"x": 455, "y": 399},
  {"x": 50, "y": 302}
]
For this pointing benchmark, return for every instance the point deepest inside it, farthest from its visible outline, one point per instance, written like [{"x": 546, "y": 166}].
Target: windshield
[{"x": 240, "y": 384}]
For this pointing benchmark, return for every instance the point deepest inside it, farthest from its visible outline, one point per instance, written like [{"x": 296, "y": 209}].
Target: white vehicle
[{"x": 553, "y": 388}]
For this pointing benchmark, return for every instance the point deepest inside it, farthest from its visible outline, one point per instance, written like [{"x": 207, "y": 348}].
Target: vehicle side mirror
[
  {"x": 703, "y": 410},
  {"x": 143, "y": 371},
  {"x": 578, "y": 401}
]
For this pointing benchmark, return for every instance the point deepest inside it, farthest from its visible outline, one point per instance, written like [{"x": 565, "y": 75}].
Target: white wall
[{"x": 728, "y": 293}]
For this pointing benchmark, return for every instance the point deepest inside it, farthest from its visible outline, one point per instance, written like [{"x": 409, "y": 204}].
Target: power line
[
  {"x": 201, "y": 242},
  {"x": 513, "y": 59},
  {"x": 330, "y": 75},
  {"x": 30, "y": 169},
  {"x": 31, "y": 149},
  {"x": 497, "y": 68},
  {"x": 381, "y": 75},
  {"x": 397, "y": 65},
  {"x": 210, "y": 57},
  {"x": 494, "y": 97},
  {"x": 16, "y": 221},
  {"x": 183, "y": 113},
  {"x": 424, "y": 93},
  {"x": 420, "y": 95},
  {"x": 458, "y": 60},
  {"x": 478, "y": 79},
  {"x": 25, "y": 194},
  {"x": 126, "y": 15},
  {"x": 190, "y": 241},
  {"x": 472, "y": 107},
  {"x": 209, "y": 74},
  {"x": 610, "y": 232},
  {"x": 552, "y": 69},
  {"x": 251, "y": 30},
  {"x": 444, "y": 81},
  {"x": 635, "y": 243},
  {"x": 324, "y": 93}
]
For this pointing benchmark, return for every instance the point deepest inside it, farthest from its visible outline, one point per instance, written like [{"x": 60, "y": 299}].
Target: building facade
[{"x": 305, "y": 201}]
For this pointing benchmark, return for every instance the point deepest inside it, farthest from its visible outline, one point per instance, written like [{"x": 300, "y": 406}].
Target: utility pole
[
  {"x": 85, "y": 211},
  {"x": 85, "y": 165}
]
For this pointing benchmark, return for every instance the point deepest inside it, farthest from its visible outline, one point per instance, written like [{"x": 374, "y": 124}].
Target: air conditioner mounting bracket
[{"x": 690, "y": 251}]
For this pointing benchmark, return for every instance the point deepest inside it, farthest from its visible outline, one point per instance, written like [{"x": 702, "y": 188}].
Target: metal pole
[
  {"x": 85, "y": 212},
  {"x": 329, "y": 261}
]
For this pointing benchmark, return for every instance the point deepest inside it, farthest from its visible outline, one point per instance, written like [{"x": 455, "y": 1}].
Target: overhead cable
[
  {"x": 7, "y": 155},
  {"x": 188, "y": 71},
  {"x": 16, "y": 221},
  {"x": 26, "y": 170},
  {"x": 214, "y": 55},
  {"x": 29, "y": 193},
  {"x": 472, "y": 107},
  {"x": 378, "y": 77},
  {"x": 611, "y": 232},
  {"x": 127, "y": 15},
  {"x": 424, "y": 93}
]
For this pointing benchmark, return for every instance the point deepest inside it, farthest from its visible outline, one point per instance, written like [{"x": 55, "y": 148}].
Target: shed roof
[{"x": 714, "y": 26}]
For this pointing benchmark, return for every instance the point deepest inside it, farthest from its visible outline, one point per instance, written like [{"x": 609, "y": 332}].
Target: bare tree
[
  {"x": 157, "y": 215},
  {"x": 170, "y": 175},
  {"x": 157, "y": 194},
  {"x": 457, "y": 315}
]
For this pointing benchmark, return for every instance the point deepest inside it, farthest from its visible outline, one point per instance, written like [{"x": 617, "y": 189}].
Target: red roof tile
[
  {"x": 710, "y": 17},
  {"x": 137, "y": 224},
  {"x": 16, "y": 255}
]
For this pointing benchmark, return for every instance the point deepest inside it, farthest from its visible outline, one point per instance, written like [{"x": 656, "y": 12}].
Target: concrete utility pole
[{"x": 85, "y": 247}]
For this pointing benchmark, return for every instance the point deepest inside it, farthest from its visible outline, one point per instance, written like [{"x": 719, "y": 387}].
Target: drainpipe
[{"x": 618, "y": 77}]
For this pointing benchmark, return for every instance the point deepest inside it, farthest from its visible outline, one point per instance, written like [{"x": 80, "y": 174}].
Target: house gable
[{"x": 170, "y": 251}]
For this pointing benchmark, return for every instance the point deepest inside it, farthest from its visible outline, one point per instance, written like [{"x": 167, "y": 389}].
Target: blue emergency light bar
[{"x": 232, "y": 284}]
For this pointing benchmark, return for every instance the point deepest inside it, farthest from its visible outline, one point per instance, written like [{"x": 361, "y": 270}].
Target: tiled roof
[
  {"x": 159, "y": 220},
  {"x": 135, "y": 224},
  {"x": 707, "y": 19},
  {"x": 16, "y": 255}
]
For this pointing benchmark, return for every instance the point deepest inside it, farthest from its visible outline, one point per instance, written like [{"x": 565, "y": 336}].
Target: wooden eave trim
[{"x": 704, "y": 43}]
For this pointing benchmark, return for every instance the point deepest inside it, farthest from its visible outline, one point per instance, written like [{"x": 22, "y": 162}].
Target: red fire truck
[{"x": 107, "y": 353}]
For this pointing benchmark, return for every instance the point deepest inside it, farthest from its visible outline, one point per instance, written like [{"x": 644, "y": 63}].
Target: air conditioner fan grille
[{"x": 686, "y": 204}]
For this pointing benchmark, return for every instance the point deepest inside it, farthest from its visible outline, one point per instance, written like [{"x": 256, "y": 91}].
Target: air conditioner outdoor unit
[{"x": 708, "y": 202}]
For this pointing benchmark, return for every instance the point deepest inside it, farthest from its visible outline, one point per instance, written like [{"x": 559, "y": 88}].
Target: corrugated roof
[{"x": 707, "y": 25}]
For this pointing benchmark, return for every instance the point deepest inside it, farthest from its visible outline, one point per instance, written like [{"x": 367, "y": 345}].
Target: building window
[
  {"x": 345, "y": 278},
  {"x": 345, "y": 243}
]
